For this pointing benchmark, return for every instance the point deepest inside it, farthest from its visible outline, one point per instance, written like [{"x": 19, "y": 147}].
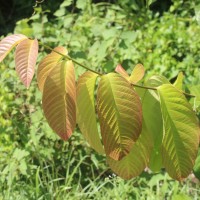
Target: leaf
[
  {"x": 25, "y": 60},
  {"x": 86, "y": 115},
  {"x": 47, "y": 64},
  {"x": 153, "y": 120},
  {"x": 135, "y": 162},
  {"x": 196, "y": 168},
  {"x": 156, "y": 81},
  {"x": 120, "y": 115},
  {"x": 194, "y": 89},
  {"x": 119, "y": 69},
  {"x": 8, "y": 43},
  {"x": 179, "y": 81},
  {"x": 137, "y": 73},
  {"x": 181, "y": 132},
  {"x": 59, "y": 99}
]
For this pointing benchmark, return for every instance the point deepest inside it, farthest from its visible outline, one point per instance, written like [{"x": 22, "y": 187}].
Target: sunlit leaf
[
  {"x": 137, "y": 73},
  {"x": 8, "y": 43},
  {"x": 119, "y": 69},
  {"x": 179, "y": 81},
  {"x": 120, "y": 115},
  {"x": 25, "y": 60},
  {"x": 86, "y": 114},
  {"x": 181, "y": 132},
  {"x": 135, "y": 162},
  {"x": 59, "y": 99},
  {"x": 47, "y": 64}
]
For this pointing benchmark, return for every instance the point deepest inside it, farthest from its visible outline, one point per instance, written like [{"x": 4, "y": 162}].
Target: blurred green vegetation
[{"x": 34, "y": 162}]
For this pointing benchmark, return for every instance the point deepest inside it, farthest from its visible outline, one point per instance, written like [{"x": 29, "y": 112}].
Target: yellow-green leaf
[
  {"x": 25, "y": 60},
  {"x": 47, "y": 64},
  {"x": 179, "y": 81},
  {"x": 181, "y": 132},
  {"x": 8, "y": 43},
  {"x": 59, "y": 99},
  {"x": 119, "y": 69},
  {"x": 120, "y": 115},
  {"x": 137, "y": 73},
  {"x": 135, "y": 162},
  {"x": 86, "y": 114}
]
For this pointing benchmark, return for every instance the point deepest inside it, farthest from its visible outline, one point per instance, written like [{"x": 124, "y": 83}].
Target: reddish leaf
[
  {"x": 8, "y": 43},
  {"x": 47, "y": 64},
  {"x": 119, "y": 69},
  {"x": 59, "y": 99},
  {"x": 25, "y": 60}
]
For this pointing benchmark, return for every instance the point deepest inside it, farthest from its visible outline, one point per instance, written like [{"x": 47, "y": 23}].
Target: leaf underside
[
  {"x": 153, "y": 120},
  {"x": 25, "y": 60},
  {"x": 47, "y": 64},
  {"x": 86, "y": 114},
  {"x": 181, "y": 132},
  {"x": 8, "y": 43},
  {"x": 59, "y": 99},
  {"x": 135, "y": 162},
  {"x": 120, "y": 115}
]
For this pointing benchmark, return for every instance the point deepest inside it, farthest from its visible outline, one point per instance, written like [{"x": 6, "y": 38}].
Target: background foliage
[{"x": 34, "y": 163}]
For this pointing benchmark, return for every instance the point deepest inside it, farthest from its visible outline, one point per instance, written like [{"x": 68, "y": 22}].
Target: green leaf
[
  {"x": 120, "y": 115},
  {"x": 59, "y": 99},
  {"x": 196, "y": 168},
  {"x": 195, "y": 90},
  {"x": 135, "y": 162},
  {"x": 86, "y": 115},
  {"x": 153, "y": 120},
  {"x": 179, "y": 81},
  {"x": 181, "y": 132}
]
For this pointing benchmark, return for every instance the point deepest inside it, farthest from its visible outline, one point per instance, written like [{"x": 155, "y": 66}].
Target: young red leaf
[
  {"x": 59, "y": 99},
  {"x": 25, "y": 60},
  {"x": 119, "y": 69},
  {"x": 8, "y": 43},
  {"x": 47, "y": 64}
]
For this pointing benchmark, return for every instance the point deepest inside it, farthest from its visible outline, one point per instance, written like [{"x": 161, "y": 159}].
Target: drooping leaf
[
  {"x": 119, "y": 69},
  {"x": 25, "y": 60},
  {"x": 59, "y": 99},
  {"x": 8, "y": 43},
  {"x": 135, "y": 162},
  {"x": 47, "y": 64},
  {"x": 196, "y": 168},
  {"x": 120, "y": 115},
  {"x": 181, "y": 132},
  {"x": 137, "y": 73},
  {"x": 153, "y": 120},
  {"x": 195, "y": 90},
  {"x": 155, "y": 81},
  {"x": 86, "y": 114},
  {"x": 179, "y": 81}
]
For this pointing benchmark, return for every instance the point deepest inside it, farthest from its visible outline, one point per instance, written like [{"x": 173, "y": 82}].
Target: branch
[{"x": 69, "y": 58}]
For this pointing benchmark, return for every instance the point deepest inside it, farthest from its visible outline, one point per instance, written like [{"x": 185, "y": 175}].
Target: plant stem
[
  {"x": 153, "y": 88},
  {"x": 69, "y": 58}
]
